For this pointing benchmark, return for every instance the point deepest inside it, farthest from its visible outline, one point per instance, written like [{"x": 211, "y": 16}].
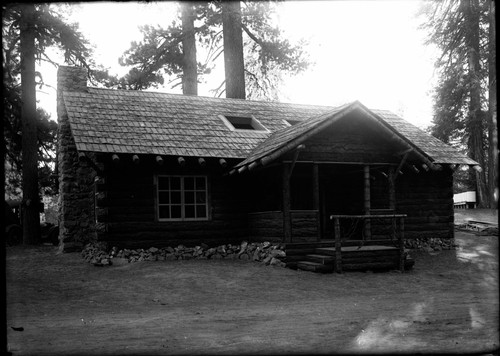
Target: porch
[
  {"x": 335, "y": 217},
  {"x": 344, "y": 254}
]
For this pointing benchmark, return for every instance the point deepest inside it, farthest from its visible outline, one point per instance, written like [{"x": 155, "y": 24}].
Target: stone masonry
[{"x": 76, "y": 179}]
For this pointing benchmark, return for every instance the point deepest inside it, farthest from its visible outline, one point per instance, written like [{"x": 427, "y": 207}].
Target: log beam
[
  {"x": 253, "y": 165},
  {"x": 242, "y": 169},
  {"x": 202, "y": 162},
  {"x": 135, "y": 159},
  {"x": 181, "y": 161},
  {"x": 115, "y": 158},
  {"x": 159, "y": 160},
  {"x": 223, "y": 163}
]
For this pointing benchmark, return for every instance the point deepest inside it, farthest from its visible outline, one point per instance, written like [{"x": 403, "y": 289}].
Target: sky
[{"x": 371, "y": 51}]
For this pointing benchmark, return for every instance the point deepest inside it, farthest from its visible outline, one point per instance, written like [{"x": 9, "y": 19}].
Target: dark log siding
[
  {"x": 268, "y": 226},
  {"x": 129, "y": 197},
  {"x": 249, "y": 206},
  {"x": 351, "y": 139},
  {"x": 427, "y": 199}
]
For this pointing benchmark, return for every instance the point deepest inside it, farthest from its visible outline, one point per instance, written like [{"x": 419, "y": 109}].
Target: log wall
[
  {"x": 127, "y": 200},
  {"x": 427, "y": 199},
  {"x": 352, "y": 139},
  {"x": 268, "y": 226}
]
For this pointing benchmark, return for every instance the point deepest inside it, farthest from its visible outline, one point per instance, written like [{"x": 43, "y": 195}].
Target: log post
[
  {"x": 367, "y": 202},
  {"x": 392, "y": 189},
  {"x": 316, "y": 197},
  {"x": 338, "y": 246},
  {"x": 401, "y": 244},
  {"x": 287, "y": 218}
]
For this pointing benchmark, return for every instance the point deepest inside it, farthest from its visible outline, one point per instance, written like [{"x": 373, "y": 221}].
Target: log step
[
  {"x": 323, "y": 259},
  {"x": 358, "y": 251},
  {"x": 314, "y": 267}
]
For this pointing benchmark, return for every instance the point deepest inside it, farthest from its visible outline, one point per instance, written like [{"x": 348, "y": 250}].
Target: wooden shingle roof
[{"x": 141, "y": 122}]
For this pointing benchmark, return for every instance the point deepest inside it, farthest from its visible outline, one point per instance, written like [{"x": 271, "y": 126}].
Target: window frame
[
  {"x": 182, "y": 204},
  {"x": 257, "y": 126}
]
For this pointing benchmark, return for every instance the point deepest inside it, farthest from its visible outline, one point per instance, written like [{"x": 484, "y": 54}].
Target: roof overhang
[{"x": 290, "y": 138}]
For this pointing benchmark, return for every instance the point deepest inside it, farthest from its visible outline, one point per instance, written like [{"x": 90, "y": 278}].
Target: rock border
[{"x": 265, "y": 252}]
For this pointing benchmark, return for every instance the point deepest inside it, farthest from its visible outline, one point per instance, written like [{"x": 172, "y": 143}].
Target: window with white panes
[{"x": 181, "y": 198}]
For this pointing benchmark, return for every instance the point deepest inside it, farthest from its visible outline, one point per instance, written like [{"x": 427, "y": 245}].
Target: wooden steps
[
  {"x": 314, "y": 267},
  {"x": 321, "y": 257}
]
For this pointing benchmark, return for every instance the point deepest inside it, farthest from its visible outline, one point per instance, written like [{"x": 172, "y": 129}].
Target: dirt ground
[{"x": 448, "y": 303}]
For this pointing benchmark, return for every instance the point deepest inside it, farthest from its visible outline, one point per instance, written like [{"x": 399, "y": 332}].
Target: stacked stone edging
[
  {"x": 431, "y": 244},
  {"x": 265, "y": 252}
]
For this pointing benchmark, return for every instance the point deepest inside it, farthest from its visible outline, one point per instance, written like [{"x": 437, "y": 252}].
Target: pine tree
[{"x": 460, "y": 30}]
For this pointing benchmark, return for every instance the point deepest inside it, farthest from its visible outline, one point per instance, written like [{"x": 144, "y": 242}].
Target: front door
[{"x": 341, "y": 193}]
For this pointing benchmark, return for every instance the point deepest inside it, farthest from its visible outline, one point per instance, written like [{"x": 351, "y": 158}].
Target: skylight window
[
  {"x": 291, "y": 122},
  {"x": 242, "y": 123}
]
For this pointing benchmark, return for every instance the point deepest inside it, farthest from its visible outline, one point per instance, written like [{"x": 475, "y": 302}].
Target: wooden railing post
[
  {"x": 287, "y": 218},
  {"x": 401, "y": 244},
  {"x": 367, "y": 203},
  {"x": 338, "y": 246}
]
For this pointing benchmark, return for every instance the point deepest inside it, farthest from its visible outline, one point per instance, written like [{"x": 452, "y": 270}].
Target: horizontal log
[
  {"x": 160, "y": 243},
  {"x": 369, "y": 266},
  {"x": 200, "y": 235},
  {"x": 305, "y": 238},
  {"x": 301, "y": 252},
  {"x": 302, "y": 245},
  {"x": 372, "y": 242},
  {"x": 181, "y": 227}
]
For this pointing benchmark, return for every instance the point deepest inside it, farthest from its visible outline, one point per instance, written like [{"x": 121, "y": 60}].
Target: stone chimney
[{"x": 76, "y": 180}]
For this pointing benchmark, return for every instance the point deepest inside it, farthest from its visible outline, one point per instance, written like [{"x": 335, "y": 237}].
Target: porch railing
[{"x": 397, "y": 234}]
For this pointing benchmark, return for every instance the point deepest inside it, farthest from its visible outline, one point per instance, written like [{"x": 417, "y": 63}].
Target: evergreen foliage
[
  {"x": 461, "y": 30},
  {"x": 267, "y": 54},
  {"x": 50, "y": 30}
]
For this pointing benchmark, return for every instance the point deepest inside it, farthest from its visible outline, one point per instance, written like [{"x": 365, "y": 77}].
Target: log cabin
[{"x": 140, "y": 168}]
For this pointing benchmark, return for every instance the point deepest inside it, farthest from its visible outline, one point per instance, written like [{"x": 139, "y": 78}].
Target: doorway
[{"x": 341, "y": 193}]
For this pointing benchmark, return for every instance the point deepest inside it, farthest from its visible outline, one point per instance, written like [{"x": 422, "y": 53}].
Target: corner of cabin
[{"x": 76, "y": 181}]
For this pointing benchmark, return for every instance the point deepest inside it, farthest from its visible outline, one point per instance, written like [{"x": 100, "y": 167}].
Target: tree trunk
[
  {"x": 234, "y": 64},
  {"x": 189, "y": 64},
  {"x": 492, "y": 124},
  {"x": 474, "y": 123},
  {"x": 31, "y": 199}
]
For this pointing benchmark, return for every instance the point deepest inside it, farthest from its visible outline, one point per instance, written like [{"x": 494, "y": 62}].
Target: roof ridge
[{"x": 202, "y": 97}]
